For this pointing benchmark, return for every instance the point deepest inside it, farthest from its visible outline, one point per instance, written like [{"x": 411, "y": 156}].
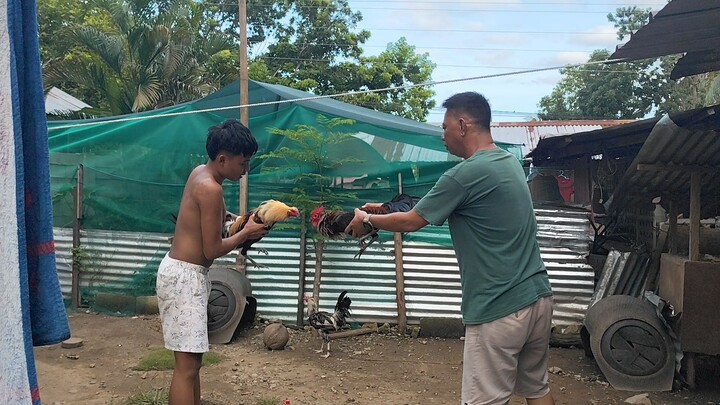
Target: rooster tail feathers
[{"x": 343, "y": 303}]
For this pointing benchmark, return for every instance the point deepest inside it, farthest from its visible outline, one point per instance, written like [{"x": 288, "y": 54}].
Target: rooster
[
  {"x": 268, "y": 213},
  {"x": 325, "y": 322},
  {"x": 332, "y": 224}
]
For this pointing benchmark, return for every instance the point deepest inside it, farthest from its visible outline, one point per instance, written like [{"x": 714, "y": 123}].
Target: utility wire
[{"x": 350, "y": 93}]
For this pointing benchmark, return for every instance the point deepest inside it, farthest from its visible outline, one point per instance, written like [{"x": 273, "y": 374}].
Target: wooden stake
[
  {"x": 77, "y": 222},
  {"x": 301, "y": 276},
  {"x": 400, "y": 274},
  {"x": 694, "y": 239},
  {"x": 241, "y": 261},
  {"x": 350, "y": 333},
  {"x": 319, "y": 247}
]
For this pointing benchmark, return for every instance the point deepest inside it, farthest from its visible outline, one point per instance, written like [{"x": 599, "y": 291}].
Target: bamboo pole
[{"x": 77, "y": 221}]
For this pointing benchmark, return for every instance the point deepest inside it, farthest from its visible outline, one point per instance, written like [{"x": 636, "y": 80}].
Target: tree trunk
[{"x": 319, "y": 247}]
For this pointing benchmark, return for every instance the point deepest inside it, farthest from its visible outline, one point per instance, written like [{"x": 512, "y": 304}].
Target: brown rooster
[
  {"x": 268, "y": 213},
  {"x": 332, "y": 224}
]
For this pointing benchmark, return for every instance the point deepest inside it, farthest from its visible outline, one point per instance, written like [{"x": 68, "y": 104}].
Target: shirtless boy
[{"x": 182, "y": 284}]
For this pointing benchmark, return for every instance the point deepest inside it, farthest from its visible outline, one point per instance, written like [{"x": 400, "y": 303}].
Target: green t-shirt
[{"x": 487, "y": 204}]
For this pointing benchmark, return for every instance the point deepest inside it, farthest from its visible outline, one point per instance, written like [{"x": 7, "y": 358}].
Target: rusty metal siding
[{"x": 528, "y": 134}]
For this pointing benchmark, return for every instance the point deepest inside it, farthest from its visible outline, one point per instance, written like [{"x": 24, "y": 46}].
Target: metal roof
[
  {"x": 621, "y": 140},
  {"x": 688, "y": 140},
  {"x": 612, "y": 141},
  {"x": 682, "y": 26},
  {"x": 528, "y": 134}
]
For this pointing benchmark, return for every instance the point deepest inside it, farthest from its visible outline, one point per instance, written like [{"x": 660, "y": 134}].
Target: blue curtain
[{"x": 33, "y": 312}]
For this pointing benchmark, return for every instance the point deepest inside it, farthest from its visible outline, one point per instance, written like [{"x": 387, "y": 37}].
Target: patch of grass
[
  {"x": 155, "y": 397},
  {"x": 164, "y": 359}
]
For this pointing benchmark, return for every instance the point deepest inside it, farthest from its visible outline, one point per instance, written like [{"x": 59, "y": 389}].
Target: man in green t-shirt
[{"x": 506, "y": 295}]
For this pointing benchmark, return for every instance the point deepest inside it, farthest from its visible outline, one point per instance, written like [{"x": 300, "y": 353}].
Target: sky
[{"x": 472, "y": 38}]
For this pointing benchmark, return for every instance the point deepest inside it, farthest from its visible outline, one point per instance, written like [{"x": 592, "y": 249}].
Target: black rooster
[
  {"x": 325, "y": 322},
  {"x": 332, "y": 224}
]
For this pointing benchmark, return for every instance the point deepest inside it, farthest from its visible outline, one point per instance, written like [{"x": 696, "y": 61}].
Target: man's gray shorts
[{"x": 508, "y": 356}]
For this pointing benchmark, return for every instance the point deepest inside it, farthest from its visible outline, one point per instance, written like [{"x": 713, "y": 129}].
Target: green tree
[
  {"x": 623, "y": 90},
  {"x": 124, "y": 55},
  {"x": 307, "y": 163},
  {"x": 713, "y": 94},
  {"x": 145, "y": 55},
  {"x": 319, "y": 50},
  {"x": 596, "y": 92}
]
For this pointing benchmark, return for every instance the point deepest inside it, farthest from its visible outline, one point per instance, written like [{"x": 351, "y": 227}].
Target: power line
[
  {"x": 443, "y": 65},
  {"x": 437, "y": 9},
  {"x": 350, "y": 93},
  {"x": 492, "y": 31},
  {"x": 525, "y": 3}
]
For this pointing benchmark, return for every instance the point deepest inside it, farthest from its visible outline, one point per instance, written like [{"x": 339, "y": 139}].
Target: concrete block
[
  {"x": 146, "y": 305},
  {"x": 442, "y": 327}
]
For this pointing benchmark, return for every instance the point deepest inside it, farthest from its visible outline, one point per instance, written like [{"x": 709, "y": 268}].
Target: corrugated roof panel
[
  {"x": 529, "y": 134},
  {"x": 672, "y": 146}
]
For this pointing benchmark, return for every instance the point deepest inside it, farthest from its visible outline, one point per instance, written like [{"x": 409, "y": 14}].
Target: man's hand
[
  {"x": 356, "y": 228},
  {"x": 372, "y": 205}
]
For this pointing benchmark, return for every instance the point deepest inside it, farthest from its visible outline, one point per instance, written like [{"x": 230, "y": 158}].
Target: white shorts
[{"x": 182, "y": 291}]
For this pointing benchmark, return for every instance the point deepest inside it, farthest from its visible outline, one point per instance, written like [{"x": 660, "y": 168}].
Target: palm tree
[
  {"x": 712, "y": 96},
  {"x": 146, "y": 55}
]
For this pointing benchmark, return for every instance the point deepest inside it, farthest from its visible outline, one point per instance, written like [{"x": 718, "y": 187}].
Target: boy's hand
[{"x": 254, "y": 230}]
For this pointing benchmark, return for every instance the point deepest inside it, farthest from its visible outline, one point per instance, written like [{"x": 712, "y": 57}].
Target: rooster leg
[
  {"x": 322, "y": 341},
  {"x": 326, "y": 355},
  {"x": 254, "y": 263},
  {"x": 364, "y": 243},
  {"x": 260, "y": 250}
]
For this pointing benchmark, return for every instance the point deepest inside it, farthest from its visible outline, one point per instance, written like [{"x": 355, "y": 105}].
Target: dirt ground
[{"x": 369, "y": 369}]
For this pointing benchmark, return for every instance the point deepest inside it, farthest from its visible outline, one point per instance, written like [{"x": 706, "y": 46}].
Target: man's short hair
[
  {"x": 232, "y": 137},
  {"x": 472, "y": 104}
]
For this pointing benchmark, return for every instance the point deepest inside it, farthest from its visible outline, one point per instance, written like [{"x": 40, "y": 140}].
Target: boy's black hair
[
  {"x": 232, "y": 137},
  {"x": 475, "y": 105}
]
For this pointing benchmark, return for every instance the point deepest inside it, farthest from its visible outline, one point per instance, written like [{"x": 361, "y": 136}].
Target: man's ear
[{"x": 221, "y": 158}]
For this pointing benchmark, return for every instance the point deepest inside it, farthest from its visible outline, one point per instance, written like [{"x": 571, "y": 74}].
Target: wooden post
[
  {"x": 672, "y": 227},
  {"x": 301, "y": 276},
  {"x": 694, "y": 234},
  {"x": 244, "y": 115},
  {"x": 77, "y": 221},
  {"x": 319, "y": 247},
  {"x": 399, "y": 274}
]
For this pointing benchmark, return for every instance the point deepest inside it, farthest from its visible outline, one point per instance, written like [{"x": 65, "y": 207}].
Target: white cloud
[
  {"x": 603, "y": 36},
  {"x": 566, "y": 58}
]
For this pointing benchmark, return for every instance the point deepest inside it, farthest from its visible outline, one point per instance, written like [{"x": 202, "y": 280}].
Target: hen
[
  {"x": 268, "y": 213},
  {"x": 325, "y": 322},
  {"x": 332, "y": 224}
]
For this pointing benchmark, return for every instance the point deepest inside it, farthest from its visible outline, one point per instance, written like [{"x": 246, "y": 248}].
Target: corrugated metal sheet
[
  {"x": 624, "y": 273},
  {"x": 121, "y": 262},
  {"x": 687, "y": 26},
  {"x": 667, "y": 150},
  {"x": 529, "y": 134},
  {"x": 565, "y": 236}
]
